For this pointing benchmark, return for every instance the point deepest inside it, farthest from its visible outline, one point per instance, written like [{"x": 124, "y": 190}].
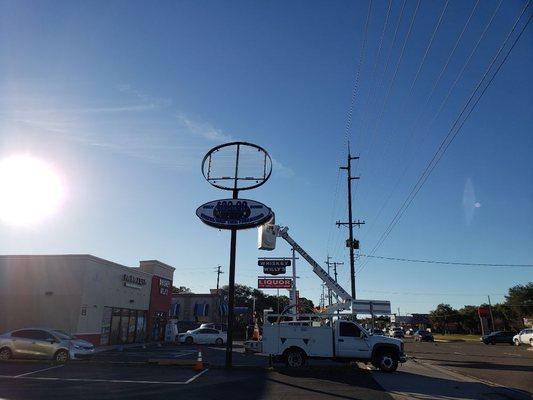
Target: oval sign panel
[{"x": 234, "y": 213}]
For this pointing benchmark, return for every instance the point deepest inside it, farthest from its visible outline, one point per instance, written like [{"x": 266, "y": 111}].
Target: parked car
[
  {"x": 43, "y": 343},
  {"x": 212, "y": 325},
  {"x": 525, "y": 336},
  {"x": 378, "y": 332},
  {"x": 203, "y": 336},
  {"x": 498, "y": 337},
  {"x": 423, "y": 336}
]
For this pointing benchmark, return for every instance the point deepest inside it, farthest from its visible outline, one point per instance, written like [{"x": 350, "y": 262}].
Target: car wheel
[
  {"x": 61, "y": 356},
  {"x": 5, "y": 354},
  {"x": 387, "y": 361},
  {"x": 219, "y": 342},
  {"x": 189, "y": 340},
  {"x": 294, "y": 358}
]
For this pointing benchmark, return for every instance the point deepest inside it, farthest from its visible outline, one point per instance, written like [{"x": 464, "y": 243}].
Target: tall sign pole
[
  {"x": 295, "y": 311},
  {"x": 234, "y": 214}
]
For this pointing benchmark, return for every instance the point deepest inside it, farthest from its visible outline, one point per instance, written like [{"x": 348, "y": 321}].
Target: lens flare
[{"x": 30, "y": 191}]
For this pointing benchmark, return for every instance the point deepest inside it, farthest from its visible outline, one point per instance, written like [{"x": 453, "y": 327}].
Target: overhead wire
[
  {"x": 353, "y": 99},
  {"x": 455, "y": 128},
  {"x": 446, "y": 262},
  {"x": 416, "y": 120}
]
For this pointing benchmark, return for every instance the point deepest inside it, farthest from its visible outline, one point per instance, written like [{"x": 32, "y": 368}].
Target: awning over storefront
[
  {"x": 223, "y": 308},
  {"x": 201, "y": 310},
  {"x": 174, "y": 308}
]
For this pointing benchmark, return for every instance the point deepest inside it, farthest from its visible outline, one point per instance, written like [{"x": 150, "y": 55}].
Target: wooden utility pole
[
  {"x": 218, "y": 276},
  {"x": 351, "y": 243}
]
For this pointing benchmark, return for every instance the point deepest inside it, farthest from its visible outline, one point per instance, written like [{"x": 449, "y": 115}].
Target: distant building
[
  {"x": 197, "y": 308},
  {"x": 92, "y": 298}
]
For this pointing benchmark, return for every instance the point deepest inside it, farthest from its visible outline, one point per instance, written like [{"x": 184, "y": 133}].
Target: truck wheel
[
  {"x": 387, "y": 361},
  {"x": 294, "y": 358}
]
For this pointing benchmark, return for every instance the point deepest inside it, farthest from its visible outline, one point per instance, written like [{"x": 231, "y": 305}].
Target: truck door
[{"x": 350, "y": 343}]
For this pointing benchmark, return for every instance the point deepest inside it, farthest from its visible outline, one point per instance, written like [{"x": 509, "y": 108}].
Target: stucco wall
[
  {"x": 103, "y": 286},
  {"x": 40, "y": 291}
]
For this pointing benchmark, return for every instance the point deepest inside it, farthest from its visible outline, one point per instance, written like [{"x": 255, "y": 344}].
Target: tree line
[{"x": 508, "y": 315}]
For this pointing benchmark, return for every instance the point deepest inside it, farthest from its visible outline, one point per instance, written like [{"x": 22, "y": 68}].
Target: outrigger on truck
[{"x": 294, "y": 338}]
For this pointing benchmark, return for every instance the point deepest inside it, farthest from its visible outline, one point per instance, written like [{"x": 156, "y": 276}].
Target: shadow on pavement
[
  {"x": 418, "y": 386},
  {"x": 487, "y": 365}
]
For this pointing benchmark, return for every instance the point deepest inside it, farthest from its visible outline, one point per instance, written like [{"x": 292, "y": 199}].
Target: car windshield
[{"x": 63, "y": 335}]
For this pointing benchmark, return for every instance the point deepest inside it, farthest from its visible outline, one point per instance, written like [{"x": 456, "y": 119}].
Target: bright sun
[{"x": 30, "y": 191}]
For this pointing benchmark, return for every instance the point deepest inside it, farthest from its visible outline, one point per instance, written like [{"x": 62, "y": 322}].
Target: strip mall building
[{"x": 92, "y": 298}]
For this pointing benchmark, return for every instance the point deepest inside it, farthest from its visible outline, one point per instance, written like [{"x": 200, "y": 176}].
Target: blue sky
[{"x": 125, "y": 98}]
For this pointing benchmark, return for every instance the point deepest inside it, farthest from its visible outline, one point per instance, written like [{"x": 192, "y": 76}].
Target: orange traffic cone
[
  {"x": 255, "y": 335},
  {"x": 199, "y": 365}
]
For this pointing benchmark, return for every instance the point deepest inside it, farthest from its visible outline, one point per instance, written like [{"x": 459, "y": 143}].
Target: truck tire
[
  {"x": 294, "y": 358},
  {"x": 386, "y": 361}
]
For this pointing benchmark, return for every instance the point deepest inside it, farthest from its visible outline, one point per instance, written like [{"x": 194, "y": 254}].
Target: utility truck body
[{"x": 338, "y": 339}]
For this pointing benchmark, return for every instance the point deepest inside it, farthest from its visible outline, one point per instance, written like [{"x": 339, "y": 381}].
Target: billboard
[
  {"x": 371, "y": 307},
  {"x": 267, "y": 282}
]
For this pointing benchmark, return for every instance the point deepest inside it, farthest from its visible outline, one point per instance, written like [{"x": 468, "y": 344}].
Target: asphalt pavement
[
  {"x": 501, "y": 364},
  {"x": 466, "y": 370}
]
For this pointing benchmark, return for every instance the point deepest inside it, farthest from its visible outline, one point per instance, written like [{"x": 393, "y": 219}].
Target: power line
[
  {"x": 422, "y": 109},
  {"x": 446, "y": 262},
  {"x": 455, "y": 128},
  {"x": 394, "y": 75},
  {"x": 356, "y": 78}
]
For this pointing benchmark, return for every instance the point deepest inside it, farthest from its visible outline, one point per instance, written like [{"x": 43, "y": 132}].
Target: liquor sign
[
  {"x": 274, "y": 270},
  {"x": 234, "y": 213},
  {"x": 265, "y": 282}
]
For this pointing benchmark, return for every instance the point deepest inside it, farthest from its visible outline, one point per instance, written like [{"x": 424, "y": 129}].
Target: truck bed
[{"x": 317, "y": 341}]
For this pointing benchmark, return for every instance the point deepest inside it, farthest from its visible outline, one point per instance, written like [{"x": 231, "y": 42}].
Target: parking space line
[
  {"x": 196, "y": 376},
  {"x": 185, "y": 354},
  {"x": 42, "y": 378},
  {"x": 40, "y": 370}
]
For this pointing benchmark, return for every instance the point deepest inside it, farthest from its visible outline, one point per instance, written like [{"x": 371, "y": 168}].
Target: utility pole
[
  {"x": 335, "y": 268},
  {"x": 351, "y": 243},
  {"x": 329, "y": 290},
  {"x": 491, "y": 317},
  {"x": 218, "y": 276}
]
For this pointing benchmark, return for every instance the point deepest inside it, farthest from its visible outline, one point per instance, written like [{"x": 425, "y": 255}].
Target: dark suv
[
  {"x": 498, "y": 337},
  {"x": 423, "y": 336}
]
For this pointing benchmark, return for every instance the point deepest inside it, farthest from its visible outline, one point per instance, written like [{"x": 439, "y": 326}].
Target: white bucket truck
[{"x": 297, "y": 337}]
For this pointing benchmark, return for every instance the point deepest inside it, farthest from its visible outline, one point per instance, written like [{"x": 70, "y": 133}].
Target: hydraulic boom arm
[{"x": 322, "y": 274}]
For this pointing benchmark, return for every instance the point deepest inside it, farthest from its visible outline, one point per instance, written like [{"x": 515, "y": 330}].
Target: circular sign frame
[{"x": 235, "y": 179}]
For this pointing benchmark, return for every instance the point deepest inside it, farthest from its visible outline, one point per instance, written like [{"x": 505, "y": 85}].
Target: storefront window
[
  {"x": 106, "y": 326},
  {"x": 125, "y": 317},
  {"x": 141, "y": 326},
  {"x": 131, "y": 326},
  {"x": 115, "y": 326}
]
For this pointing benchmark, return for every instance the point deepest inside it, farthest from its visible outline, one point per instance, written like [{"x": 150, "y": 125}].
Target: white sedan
[
  {"x": 525, "y": 336},
  {"x": 203, "y": 336}
]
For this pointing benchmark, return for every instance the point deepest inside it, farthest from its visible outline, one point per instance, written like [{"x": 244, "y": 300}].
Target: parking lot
[
  {"x": 502, "y": 364},
  {"x": 437, "y": 370}
]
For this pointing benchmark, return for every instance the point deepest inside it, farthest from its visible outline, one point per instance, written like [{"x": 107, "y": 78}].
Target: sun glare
[{"x": 30, "y": 191}]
